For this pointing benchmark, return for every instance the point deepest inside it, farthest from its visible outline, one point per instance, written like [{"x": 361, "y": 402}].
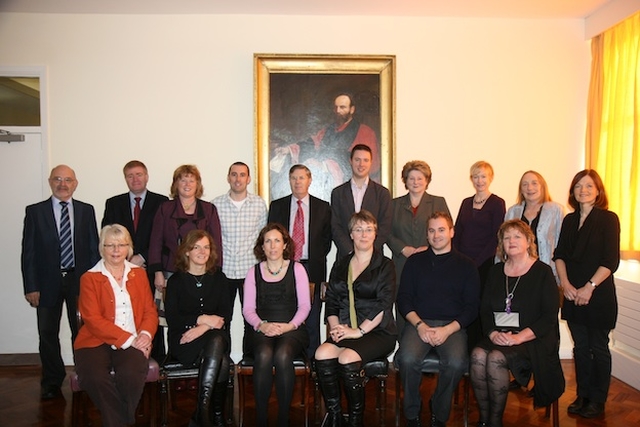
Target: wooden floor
[{"x": 20, "y": 405}]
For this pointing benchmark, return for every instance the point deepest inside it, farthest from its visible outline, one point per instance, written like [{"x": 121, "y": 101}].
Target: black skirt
[
  {"x": 376, "y": 344},
  {"x": 518, "y": 359}
]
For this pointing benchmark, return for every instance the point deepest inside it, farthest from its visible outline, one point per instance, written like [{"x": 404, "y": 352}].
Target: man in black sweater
[{"x": 439, "y": 297}]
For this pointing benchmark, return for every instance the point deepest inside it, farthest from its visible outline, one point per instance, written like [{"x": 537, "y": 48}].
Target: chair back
[{"x": 79, "y": 320}]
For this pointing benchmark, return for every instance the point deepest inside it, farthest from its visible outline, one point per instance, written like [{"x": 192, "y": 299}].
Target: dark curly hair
[{"x": 288, "y": 242}]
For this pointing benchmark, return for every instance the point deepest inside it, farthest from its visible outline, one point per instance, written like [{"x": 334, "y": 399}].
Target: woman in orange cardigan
[{"x": 115, "y": 339}]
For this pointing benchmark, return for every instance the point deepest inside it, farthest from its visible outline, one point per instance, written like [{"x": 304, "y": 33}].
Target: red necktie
[
  {"x": 136, "y": 213},
  {"x": 298, "y": 232}
]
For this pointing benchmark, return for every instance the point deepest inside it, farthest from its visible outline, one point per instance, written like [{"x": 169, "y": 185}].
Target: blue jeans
[{"x": 454, "y": 362}]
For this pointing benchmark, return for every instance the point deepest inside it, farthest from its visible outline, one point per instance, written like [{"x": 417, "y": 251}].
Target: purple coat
[{"x": 171, "y": 224}]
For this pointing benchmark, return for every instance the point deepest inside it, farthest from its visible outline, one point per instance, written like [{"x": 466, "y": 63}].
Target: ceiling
[{"x": 444, "y": 8}]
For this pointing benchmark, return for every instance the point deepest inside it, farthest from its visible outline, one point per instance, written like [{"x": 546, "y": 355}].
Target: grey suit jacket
[
  {"x": 410, "y": 230},
  {"x": 377, "y": 200}
]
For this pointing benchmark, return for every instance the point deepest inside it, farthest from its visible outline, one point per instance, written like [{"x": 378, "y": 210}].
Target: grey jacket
[{"x": 547, "y": 232}]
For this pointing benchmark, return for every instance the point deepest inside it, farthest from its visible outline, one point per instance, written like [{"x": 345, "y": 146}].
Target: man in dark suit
[
  {"x": 59, "y": 243},
  {"x": 358, "y": 193},
  {"x": 316, "y": 217},
  {"x": 135, "y": 210}
]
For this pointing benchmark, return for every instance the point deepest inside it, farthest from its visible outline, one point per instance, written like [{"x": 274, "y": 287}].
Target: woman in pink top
[{"x": 276, "y": 303}]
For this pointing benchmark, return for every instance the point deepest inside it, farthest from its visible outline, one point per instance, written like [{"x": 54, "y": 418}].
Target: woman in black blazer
[
  {"x": 358, "y": 308},
  {"x": 587, "y": 255}
]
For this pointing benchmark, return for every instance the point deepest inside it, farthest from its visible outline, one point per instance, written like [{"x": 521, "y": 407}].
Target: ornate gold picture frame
[{"x": 295, "y": 102}]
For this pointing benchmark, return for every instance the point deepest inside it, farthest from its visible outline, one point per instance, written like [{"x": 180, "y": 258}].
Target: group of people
[{"x": 482, "y": 293}]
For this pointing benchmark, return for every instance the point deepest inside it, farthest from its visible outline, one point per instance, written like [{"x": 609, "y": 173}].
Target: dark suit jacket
[
  {"x": 319, "y": 232},
  {"x": 117, "y": 210},
  {"x": 377, "y": 200},
  {"x": 40, "y": 248}
]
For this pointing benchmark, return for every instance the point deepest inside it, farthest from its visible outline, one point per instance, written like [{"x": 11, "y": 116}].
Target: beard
[{"x": 342, "y": 118}]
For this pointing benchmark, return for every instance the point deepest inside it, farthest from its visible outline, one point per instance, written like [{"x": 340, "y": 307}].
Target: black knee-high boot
[
  {"x": 208, "y": 373},
  {"x": 353, "y": 379},
  {"x": 327, "y": 371},
  {"x": 217, "y": 403},
  {"x": 212, "y": 360}
]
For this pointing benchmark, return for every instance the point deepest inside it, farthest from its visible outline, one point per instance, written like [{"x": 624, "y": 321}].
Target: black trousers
[
  {"x": 53, "y": 371},
  {"x": 313, "y": 320},
  {"x": 592, "y": 360}
]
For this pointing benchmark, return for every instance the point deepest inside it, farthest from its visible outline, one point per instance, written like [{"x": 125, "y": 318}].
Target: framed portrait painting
[{"x": 312, "y": 109}]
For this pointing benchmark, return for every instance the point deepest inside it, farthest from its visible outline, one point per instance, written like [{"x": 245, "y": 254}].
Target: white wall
[
  {"x": 625, "y": 351},
  {"x": 176, "y": 89}
]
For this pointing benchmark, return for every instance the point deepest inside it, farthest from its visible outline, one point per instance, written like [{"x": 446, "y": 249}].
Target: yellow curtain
[{"x": 613, "y": 125}]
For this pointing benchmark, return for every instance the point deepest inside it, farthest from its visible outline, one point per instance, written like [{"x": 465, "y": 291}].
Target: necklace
[
  {"x": 479, "y": 202},
  {"x": 198, "y": 279},
  {"x": 509, "y": 298},
  {"x": 275, "y": 273},
  {"x": 187, "y": 207},
  {"x": 117, "y": 277}
]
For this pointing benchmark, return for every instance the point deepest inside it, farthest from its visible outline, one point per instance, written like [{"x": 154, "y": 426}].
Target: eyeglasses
[
  {"x": 364, "y": 230},
  {"x": 112, "y": 246},
  {"x": 60, "y": 180}
]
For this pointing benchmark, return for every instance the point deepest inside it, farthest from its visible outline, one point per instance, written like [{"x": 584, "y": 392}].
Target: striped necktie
[{"x": 66, "y": 246}]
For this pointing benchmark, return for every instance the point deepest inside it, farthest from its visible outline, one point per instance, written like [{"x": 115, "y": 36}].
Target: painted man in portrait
[{"x": 326, "y": 153}]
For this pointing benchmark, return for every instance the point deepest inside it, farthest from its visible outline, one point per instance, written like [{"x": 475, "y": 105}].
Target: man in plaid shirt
[{"x": 242, "y": 216}]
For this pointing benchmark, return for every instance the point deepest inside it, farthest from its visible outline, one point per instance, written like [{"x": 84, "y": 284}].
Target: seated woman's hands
[
  {"x": 505, "y": 339},
  {"x": 206, "y": 322},
  {"x": 211, "y": 320},
  {"x": 194, "y": 333},
  {"x": 275, "y": 329},
  {"x": 143, "y": 343},
  {"x": 341, "y": 332}
]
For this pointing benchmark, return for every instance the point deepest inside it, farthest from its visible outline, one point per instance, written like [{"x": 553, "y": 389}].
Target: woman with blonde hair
[
  {"x": 111, "y": 339},
  {"x": 479, "y": 219},
  {"x": 477, "y": 224},
  {"x": 544, "y": 216}
]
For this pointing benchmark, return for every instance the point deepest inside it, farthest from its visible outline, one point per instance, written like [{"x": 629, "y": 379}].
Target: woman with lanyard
[{"x": 358, "y": 310}]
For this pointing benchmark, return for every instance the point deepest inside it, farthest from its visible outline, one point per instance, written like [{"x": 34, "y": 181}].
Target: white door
[{"x": 24, "y": 181}]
